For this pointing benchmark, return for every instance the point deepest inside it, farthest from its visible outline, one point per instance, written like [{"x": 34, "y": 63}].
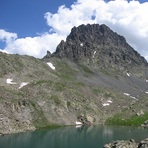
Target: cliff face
[
  {"x": 98, "y": 43},
  {"x": 91, "y": 77}
]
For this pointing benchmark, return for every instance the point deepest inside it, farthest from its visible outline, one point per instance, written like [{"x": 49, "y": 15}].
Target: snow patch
[
  {"x": 126, "y": 94},
  {"x": 78, "y": 123},
  {"x": 94, "y": 54},
  {"x": 128, "y": 74},
  {"x": 23, "y": 84},
  {"x": 9, "y": 81},
  {"x": 109, "y": 101},
  {"x": 146, "y": 80},
  {"x": 105, "y": 104},
  {"x": 146, "y": 92},
  {"x": 81, "y": 45},
  {"x": 130, "y": 96},
  {"x": 51, "y": 65},
  {"x": 133, "y": 97}
]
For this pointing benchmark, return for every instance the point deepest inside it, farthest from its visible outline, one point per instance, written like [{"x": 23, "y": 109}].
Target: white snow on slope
[
  {"x": 9, "y": 81},
  {"x": 94, "y": 54},
  {"x": 109, "y": 101},
  {"x": 78, "y": 123},
  {"x": 130, "y": 96},
  {"x": 23, "y": 84},
  {"x": 133, "y": 97},
  {"x": 126, "y": 94},
  {"x": 51, "y": 65},
  {"x": 128, "y": 74},
  {"x": 146, "y": 80},
  {"x": 105, "y": 104},
  {"x": 146, "y": 92},
  {"x": 81, "y": 45}
]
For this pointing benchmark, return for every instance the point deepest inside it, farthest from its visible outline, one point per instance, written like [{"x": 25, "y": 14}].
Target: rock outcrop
[
  {"x": 98, "y": 44},
  {"x": 145, "y": 124},
  {"x": 127, "y": 144}
]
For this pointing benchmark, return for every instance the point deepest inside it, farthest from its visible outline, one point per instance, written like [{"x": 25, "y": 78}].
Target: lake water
[{"x": 72, "y": 137}]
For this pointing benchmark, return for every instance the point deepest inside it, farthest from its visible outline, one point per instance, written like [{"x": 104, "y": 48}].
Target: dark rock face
[
  {"x": 48, "y": 55},
  {"x": 100, "y": 44}
]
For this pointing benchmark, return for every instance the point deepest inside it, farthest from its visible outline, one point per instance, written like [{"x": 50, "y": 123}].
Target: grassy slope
[{"x": 64, "y": 89}]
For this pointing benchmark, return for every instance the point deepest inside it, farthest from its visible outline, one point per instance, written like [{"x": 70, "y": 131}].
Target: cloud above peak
[
  {"x": 7, "y": 36},
  {"x": 126, "y": 18}
]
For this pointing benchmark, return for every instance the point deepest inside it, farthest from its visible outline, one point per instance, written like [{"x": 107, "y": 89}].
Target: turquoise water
[{"x": 72, "y": 137}]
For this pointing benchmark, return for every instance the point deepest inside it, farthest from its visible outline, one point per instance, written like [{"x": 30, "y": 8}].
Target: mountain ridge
[
  {"x": 74, "y": 84},
  {"x": 85, "y": 41}
]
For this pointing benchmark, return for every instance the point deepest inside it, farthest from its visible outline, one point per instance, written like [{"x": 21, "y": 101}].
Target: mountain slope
[{"x": 81, "y": 81}]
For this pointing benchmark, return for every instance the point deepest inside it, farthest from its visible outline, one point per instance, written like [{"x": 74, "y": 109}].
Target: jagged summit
[{"x": 98, "y": 44}]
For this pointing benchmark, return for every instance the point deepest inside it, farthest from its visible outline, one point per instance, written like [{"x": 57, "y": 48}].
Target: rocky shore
[{"x": 127, "y": 144}]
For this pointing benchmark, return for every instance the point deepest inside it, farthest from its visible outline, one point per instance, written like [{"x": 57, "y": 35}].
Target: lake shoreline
[{"x": 72, "y": 136}]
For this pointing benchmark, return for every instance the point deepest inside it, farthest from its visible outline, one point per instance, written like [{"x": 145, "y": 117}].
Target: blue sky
[
  {"x": 27, "y": 22},
  {"x": 26, "y": 17}
]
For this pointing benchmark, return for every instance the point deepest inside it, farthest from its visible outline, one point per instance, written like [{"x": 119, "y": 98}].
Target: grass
[
  {"x": 68, "y": 104},
  {"x": 58, "y": 86},
  {"x": 79, "y": 84},
  {"x": 56, "y": 99},
  {"x": 1, "y": 99},
  {"x": 105, "y": 71},
  {"x": 42, "y": 82},
  {"x": 109, "y": 95},
  {"x": 39, "y": 119},
  {"x": 86, "y": 69},
  {"x": 97, "y": 91},
  {"x": 132, "y": 121}
]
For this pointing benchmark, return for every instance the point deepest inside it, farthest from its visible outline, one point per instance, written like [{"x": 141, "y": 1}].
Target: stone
[
  {"x": 143, "y": 143},
  {"x": 127, "y": 144},
  {"x": 90, "y": 119},
  {"x": 100, "y": 44}
]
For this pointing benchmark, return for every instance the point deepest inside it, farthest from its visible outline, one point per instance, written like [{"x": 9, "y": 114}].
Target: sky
[{"x": 34, "y": 26}]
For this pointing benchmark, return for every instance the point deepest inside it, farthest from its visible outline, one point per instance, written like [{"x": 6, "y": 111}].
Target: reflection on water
[{"x": 72, "y": 137}]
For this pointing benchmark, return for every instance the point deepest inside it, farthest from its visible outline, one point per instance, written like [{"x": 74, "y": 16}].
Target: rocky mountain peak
[{"x": 98, "y": 44}]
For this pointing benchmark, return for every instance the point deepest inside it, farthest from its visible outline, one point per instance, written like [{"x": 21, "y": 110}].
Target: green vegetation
[
  {"x": 105, "y": 71},
  {"x": 68, "y": 104},
  {"x": 79, "y": 84},
  {"x": 134, "y": 120},
  {"x": 39, "y": 119},
  {"x": 56, "y": 99},
  {"x": 65, "y": 71},
  {"x": 72, "y": 88},
  {"x": 86, "y": 69},
  {"x": 109, "y": 95},
  {"x": 97, "y": 91},
  {"x": 59, "y": 86}
]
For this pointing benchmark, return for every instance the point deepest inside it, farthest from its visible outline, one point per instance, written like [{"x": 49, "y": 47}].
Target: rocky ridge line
[{"x": 98, "y": 44}]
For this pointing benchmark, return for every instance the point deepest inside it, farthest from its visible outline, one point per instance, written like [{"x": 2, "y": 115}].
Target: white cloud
[
  {"x": 36, "y": 46},
  {"x": 7, "y": 36},
  {"x": 126, "y": 18}
]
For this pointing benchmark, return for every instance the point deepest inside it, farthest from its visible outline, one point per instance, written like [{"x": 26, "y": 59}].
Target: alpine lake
[{"x": 72, "y": 137}]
